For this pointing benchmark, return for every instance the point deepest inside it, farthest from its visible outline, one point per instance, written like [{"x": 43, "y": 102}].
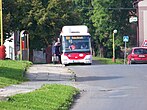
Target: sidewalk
[{"x": 39, "y": 75}]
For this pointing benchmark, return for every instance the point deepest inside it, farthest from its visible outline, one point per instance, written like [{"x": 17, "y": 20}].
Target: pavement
[{"x": 39, "y": 75}]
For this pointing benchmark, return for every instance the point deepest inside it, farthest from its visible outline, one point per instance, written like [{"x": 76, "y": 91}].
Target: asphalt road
[{"x": 111, "y": 87}]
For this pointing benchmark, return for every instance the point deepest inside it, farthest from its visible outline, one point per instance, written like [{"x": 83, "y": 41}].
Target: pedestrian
[
  {"x": 57, "y": 51},
  {"x": 48, "y": 52}
]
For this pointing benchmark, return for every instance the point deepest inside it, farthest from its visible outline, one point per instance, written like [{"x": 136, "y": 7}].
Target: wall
[{"x": 142, "y": 10}]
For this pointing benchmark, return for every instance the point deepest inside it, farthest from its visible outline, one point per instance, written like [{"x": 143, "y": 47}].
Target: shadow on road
[
  {"x": 94, "y": 78},
  {"x": 96, "y": 62}
]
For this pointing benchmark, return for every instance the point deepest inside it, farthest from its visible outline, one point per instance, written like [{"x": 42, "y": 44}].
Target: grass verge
[
  {"x": 108, "y": 60},
  {"x": 49, "y": 97},
  {"x": 11, "y": 72}
]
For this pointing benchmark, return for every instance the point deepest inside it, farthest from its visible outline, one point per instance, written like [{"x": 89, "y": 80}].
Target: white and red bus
[{"x": 75, "y": 45}]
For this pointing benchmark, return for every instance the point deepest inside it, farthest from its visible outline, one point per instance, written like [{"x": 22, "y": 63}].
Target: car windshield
[{"x": 140, "y": 51}]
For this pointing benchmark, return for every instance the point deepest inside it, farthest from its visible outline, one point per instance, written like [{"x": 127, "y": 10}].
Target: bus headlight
[
  {"x": 65, "y": 59},
  {"x": 87, "y": 58}
]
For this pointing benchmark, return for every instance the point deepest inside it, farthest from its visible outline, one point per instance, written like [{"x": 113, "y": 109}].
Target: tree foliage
[
  {"x": 107, "y": 16},
  {"x": 45, "y": 18},
  {"x": 42, "y": 18}
]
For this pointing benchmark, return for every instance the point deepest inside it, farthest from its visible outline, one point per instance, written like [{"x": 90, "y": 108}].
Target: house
[{"x": 142, "y": 21}]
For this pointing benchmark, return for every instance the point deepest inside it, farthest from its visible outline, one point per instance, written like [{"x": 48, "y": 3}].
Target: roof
[
  {"x": 75, "y": 34},
  {"x": 75, "y": 30},
  {"x": 138, "y": 47}
]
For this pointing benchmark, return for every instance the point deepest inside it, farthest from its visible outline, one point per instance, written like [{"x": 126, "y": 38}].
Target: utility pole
[{"x": 1, "y": 21}]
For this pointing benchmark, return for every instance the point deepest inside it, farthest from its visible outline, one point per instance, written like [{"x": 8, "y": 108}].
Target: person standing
[
  {"x": 57, "y": 51},
  {"x": 48, "y": 52}
]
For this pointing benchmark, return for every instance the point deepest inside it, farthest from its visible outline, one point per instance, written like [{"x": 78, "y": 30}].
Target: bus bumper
[{"x": 86, "y": 60}]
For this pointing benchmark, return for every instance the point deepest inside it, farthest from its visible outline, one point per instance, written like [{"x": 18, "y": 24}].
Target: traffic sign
[
  {"x": 126, "y": 38},
  {"x": 133, "y": 19},
  {"x": 144, "y": 44}
]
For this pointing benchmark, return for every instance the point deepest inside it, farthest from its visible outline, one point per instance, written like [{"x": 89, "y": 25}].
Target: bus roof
[
  {"x": 75, "y": 30},
  {"x": 74, "y": 34}
]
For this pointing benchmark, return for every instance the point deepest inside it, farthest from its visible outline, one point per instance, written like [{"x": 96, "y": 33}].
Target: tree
[
  {"x": 107, "y": 16},
  {"x": 85, "y": 8},
  {"x": 8, "y": 10},
  {"x": 42, "y": 18},
  {"x": 101, "y": 22}
]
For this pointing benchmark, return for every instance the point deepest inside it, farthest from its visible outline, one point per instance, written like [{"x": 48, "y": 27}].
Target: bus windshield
[{"x": 76, "y": 43}]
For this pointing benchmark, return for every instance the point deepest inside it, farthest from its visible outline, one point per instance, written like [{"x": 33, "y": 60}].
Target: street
[
  {"x": 103, "y": 87},
  {"x": 111, "y": 87}
]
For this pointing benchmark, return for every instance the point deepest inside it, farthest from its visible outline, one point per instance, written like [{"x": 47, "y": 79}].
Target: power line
[
  {"x": 122, "y": 8},
  {"x": 119, "y": 8}
]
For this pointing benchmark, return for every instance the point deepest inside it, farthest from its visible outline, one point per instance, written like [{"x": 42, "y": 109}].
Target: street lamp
[{"x": 114, "y": 32}]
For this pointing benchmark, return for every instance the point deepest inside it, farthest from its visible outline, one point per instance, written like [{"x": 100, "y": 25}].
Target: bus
[{"x": 75, "y": 45}]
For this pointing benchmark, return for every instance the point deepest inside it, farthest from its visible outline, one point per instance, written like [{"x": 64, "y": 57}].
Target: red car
[{"x": 137, "y": 55}]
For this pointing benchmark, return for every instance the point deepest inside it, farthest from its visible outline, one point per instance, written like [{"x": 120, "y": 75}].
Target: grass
[
  {"x": 49, "y": 97},
  {"x": 11, "y": 72},
  {"x": 108, "y": 60}
]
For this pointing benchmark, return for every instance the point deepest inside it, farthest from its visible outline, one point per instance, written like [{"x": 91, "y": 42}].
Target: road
[{"x": 111, "y": 87}]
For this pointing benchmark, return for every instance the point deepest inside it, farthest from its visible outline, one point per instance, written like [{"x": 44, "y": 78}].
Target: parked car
[{"x": 137, "y": 55}]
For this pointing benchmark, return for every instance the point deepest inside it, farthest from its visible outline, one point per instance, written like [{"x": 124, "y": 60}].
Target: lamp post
[
  {"x": 114, "y": 32},
  {"x": 1, "y": 22}
]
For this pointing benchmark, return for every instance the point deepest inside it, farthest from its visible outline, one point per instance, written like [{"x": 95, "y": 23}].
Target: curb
[{"x": 4, "y": 98}]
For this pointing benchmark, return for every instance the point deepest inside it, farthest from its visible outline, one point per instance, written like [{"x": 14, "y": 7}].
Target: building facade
[{"x": 142, "y": 21}]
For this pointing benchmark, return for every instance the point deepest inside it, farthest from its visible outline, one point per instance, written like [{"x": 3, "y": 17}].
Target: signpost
[{"x": 125, "y": 39}]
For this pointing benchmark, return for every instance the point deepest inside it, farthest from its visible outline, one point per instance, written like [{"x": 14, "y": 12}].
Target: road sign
[
  {"x": 144, "y": 44},
  {"x": 126, "y": 38},
  {"x": 133, "y": 19}
]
